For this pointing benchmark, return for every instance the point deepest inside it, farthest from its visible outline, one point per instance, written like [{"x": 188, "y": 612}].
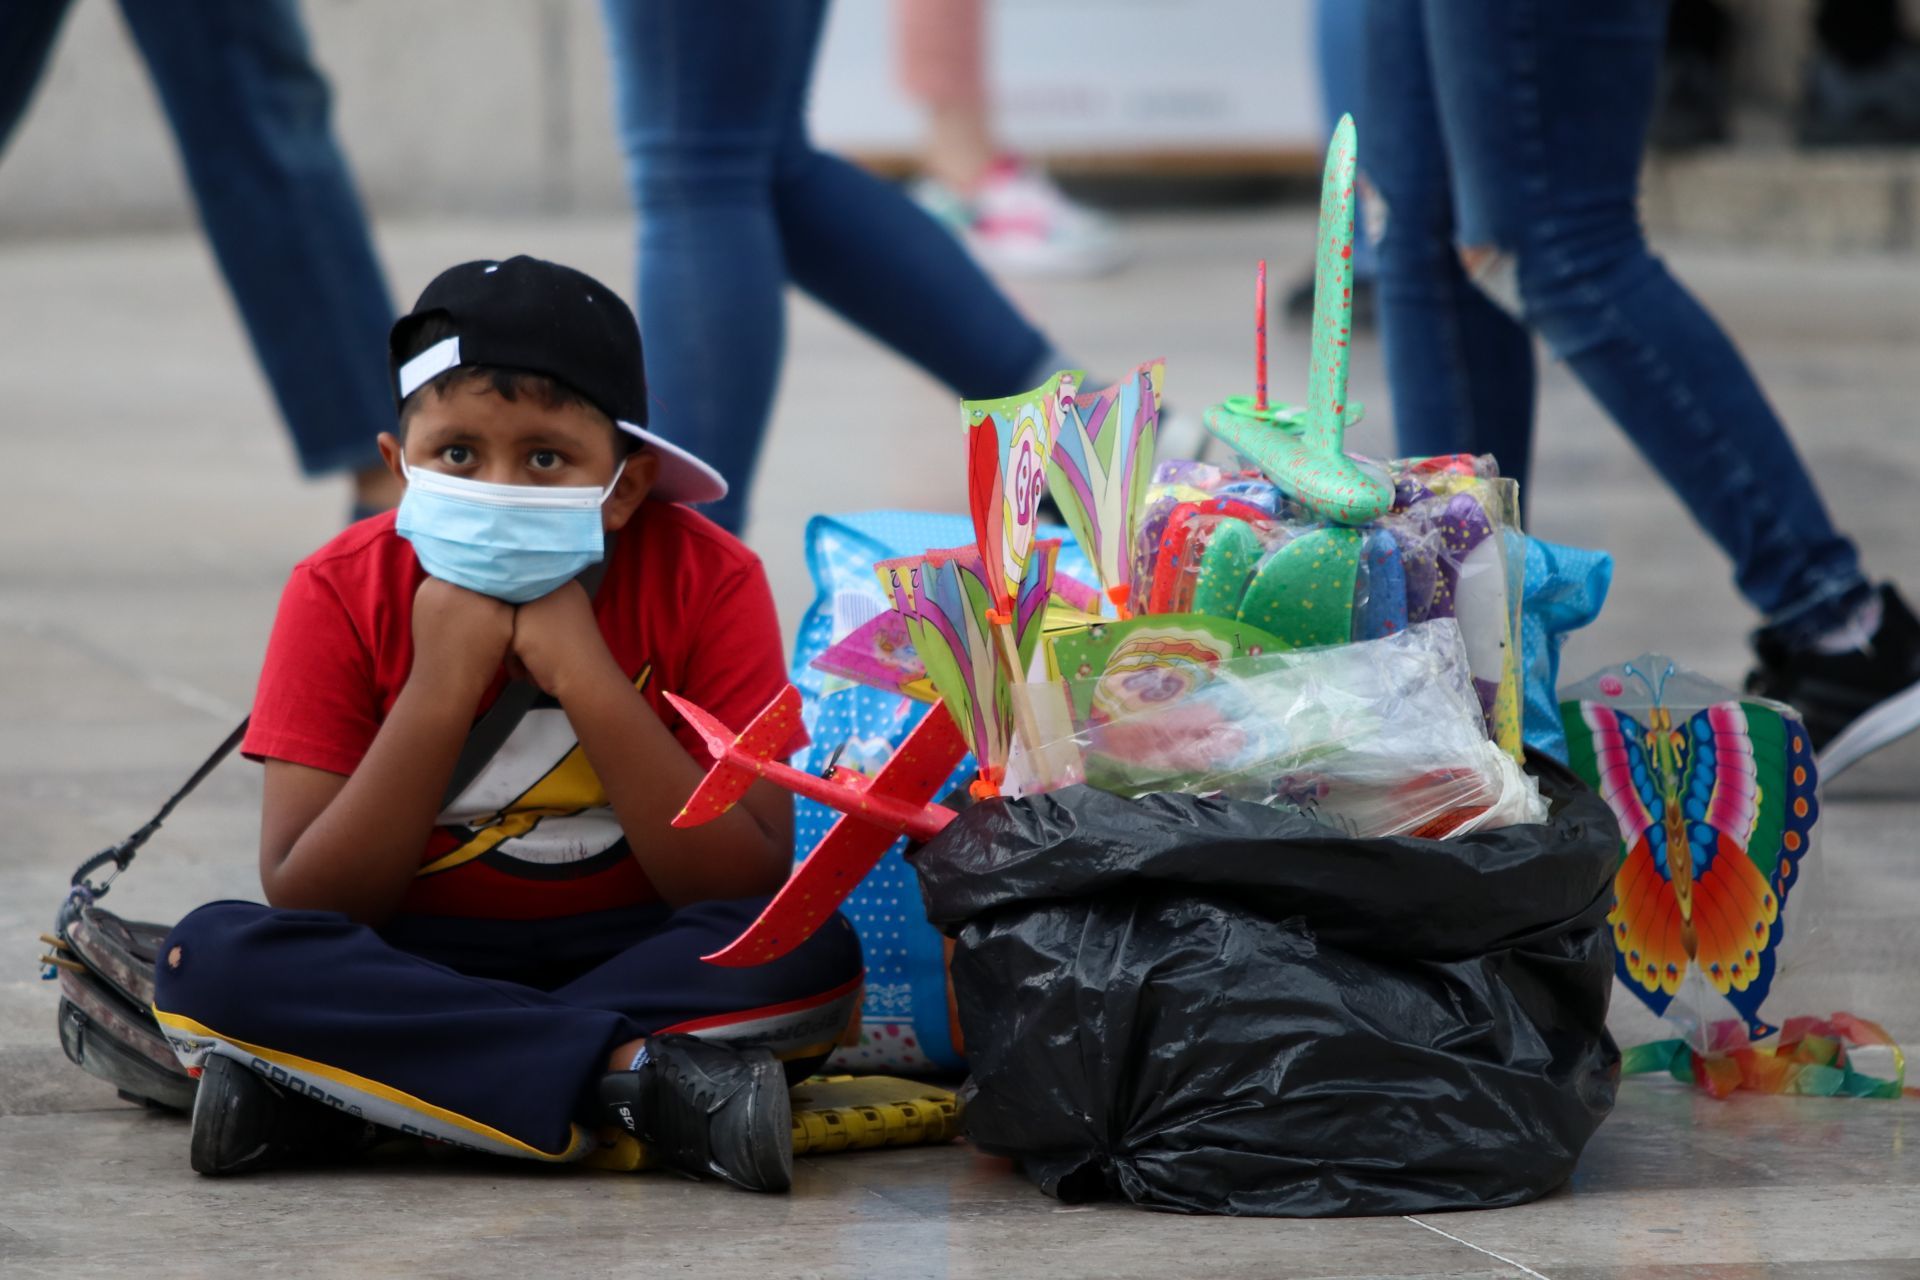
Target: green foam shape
[
  {"x": 1304, "y": 592},
  {"x": 1232, "y": 554},
  {"x": 1308, "y": 459}
]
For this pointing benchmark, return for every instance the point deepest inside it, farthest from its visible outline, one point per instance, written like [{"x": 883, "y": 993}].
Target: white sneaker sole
[{"x": 1886, "y": 723}]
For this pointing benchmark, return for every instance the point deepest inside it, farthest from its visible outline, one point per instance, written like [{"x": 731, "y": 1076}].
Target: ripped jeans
[{"x": 1504, "y": 145}]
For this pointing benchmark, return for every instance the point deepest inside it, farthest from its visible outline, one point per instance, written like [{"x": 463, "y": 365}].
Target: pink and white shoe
[{"x": 1019, "y": 223}]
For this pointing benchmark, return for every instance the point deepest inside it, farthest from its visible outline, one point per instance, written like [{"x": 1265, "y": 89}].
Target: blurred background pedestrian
[
  {"x": 1860, "y": 85},
  {"x": 735, "y": 202},
  {"x": 1006, "y": 209},
  {"x": 250, "y": 111},
  {"x": 1506, "y": 146}
]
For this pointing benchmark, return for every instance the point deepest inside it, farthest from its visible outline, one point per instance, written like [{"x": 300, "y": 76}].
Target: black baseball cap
[{"x": 526, "y": 313}]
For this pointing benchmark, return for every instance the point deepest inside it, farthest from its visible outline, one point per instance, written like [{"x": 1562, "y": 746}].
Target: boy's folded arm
[{"x": 353, "y": 844}]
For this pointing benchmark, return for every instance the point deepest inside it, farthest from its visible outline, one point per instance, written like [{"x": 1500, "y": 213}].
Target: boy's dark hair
[{"x": 508, "y": 384}]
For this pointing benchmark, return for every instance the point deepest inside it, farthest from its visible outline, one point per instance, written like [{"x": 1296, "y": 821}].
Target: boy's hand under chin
[
  {"x": 557, "y": 642},
  {"x": 459, "y": 635}
]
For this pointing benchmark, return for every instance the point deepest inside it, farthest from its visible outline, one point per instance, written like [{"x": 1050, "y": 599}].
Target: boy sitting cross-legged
[{"x": 482, "y": 929}]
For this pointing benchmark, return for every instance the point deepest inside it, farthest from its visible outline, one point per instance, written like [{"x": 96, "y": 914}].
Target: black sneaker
[
  {"x": 243, "y": 1122},
  {"x": 706, "y": 1109},
  {"x": 1854, "y": 703}
]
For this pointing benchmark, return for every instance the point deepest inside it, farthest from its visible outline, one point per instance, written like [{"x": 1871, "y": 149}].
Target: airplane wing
[{"x": 851, "y": 849}]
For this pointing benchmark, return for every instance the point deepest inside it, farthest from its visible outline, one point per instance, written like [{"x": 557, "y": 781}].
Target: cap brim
[{"x": 683, "y": 478}]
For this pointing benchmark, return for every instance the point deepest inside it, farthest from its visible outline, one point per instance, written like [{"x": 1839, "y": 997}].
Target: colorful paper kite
[
  {"x": 1119, "y": 668},
  {"x": 879, "y": 653},
  {"x": 946, "y": 600},
  {"x": 1716, "y": 809},
  {"x": 1102, "y": 465},
  {"x": 1009, "y": 444},
  {"x": 1310, "y": 461}
]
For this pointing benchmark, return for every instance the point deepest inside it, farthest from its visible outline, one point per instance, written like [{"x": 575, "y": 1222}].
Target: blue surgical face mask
[{"x": 514, "y": 542}]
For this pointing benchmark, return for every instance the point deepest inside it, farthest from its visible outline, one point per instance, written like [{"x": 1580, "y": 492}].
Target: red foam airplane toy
[{"x": 895, "y": 802}]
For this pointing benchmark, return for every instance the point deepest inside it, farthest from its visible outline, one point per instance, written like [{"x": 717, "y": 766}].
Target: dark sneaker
[
  {"x": 1856, "y": 702},
  {"x": 707, "y": 1109},
  {"x": 243, "y": 1122}
]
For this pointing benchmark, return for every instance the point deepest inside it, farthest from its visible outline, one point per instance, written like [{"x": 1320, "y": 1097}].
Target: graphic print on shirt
[{"x": 537, "y": 811}]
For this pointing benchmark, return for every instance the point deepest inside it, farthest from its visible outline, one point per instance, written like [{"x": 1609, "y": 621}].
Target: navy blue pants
[{"x": 486, "y": 1033}]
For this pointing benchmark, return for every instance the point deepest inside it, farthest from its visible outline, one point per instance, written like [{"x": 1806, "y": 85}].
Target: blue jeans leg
[
  {"x": 1543, "y": 110},
  {"x": 734, "y": 203},
  {"x": 250, "y": 111},
  {"x": 1461, "y": 370}
]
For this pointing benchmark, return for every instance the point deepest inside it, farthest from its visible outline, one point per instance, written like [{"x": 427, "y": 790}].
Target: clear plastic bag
[
  {"x": 1379, "y": 738},
  {"x": 1216, "y": 542}
]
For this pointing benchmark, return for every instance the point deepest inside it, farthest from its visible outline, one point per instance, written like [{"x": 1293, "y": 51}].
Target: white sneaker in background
[{"x": 1018, "y": 222}]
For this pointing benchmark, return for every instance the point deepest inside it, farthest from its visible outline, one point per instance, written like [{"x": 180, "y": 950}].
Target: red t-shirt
[{"x": 684, "y": 608}]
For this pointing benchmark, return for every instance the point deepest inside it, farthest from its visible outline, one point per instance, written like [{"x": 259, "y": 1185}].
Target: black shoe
[
  {"x": 243, "y": 1122},
  {"x": 708, "y": 1109},
  {"x": 1854, "y": 703},
  {"x": 1872, "y": 105}
]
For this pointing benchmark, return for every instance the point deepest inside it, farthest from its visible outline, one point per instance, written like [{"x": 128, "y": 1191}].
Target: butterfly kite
[{"x": 1716, "y": 809}]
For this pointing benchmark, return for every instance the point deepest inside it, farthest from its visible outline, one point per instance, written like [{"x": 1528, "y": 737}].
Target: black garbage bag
[{"x": 1218, "y": 1007}]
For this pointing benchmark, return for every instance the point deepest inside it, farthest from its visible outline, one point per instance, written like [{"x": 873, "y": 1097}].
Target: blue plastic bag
[{"x": 1566, "y": 587}]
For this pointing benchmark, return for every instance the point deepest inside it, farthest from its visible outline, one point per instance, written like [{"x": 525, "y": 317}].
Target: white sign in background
[{"x": 1094, "y": 77}]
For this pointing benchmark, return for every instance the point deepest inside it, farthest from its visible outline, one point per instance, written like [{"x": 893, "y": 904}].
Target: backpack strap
[
  {"x": 121, "y": 854},
  {"x": 483, "y": 742}
]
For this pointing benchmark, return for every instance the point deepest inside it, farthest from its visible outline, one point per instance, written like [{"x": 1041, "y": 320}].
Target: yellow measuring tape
[{"x": 838, "y": 1113}]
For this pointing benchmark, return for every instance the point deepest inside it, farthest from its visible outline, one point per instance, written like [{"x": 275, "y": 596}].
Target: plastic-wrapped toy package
[
  {"x": 1720, "y": 919},
  {"x": 1231, "y": 545},
  {"x": 1383, "y": 737}
]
